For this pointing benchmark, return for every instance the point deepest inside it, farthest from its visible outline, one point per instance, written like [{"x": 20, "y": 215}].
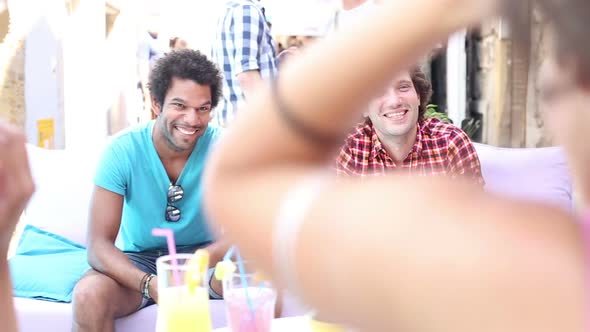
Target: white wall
[
  {"x": 457, "y": 78},
  {"x": 42, "y": 75},
  {"x": 64, "y": 72},
  {"x": 85, "y": 105}
]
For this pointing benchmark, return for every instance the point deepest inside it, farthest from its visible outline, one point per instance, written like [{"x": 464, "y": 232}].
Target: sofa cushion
[
  {"x": 46, "y": 266},
  {"x": 538, "y": 174},
  {"x": 34, "y": 316},
  {"x": 64, "y": 184}
]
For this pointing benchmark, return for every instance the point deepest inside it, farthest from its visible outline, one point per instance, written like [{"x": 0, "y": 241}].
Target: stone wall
[
  {"x": 536, "y": 135},
  {"x": 509, "y": 81},
  {"x": 12, "y": 77}
]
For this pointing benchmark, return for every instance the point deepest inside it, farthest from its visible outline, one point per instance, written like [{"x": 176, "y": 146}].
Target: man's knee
[{"x": 91, "y": 296}]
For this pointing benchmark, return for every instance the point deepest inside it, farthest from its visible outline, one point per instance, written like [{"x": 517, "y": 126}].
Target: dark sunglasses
[{"x": 175, "y": 194}]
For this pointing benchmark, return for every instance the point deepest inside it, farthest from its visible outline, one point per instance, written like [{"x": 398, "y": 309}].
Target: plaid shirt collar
[{"x": 379, "y": 149}]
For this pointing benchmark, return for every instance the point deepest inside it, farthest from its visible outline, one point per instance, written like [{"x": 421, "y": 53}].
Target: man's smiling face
[
  {"x": 185, "y": 115},
  {"x": 395, "y": 113}
]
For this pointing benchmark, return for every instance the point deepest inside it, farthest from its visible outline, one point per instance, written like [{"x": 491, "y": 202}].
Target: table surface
[{"x": 288, "y": 324}]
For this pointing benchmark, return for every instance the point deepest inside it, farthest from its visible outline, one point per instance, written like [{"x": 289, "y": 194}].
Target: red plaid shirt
[{"x": 440, "y": 148}]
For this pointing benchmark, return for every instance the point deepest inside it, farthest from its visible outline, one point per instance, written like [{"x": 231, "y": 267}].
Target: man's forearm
[
  {"x": 216, "y": 252},
  {"x": 104, "y": 257},
  {"x": 6, "y": 305},
  {"x": 249, "y": 81}
]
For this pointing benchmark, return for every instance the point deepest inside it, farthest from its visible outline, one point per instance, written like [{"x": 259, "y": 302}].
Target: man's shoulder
[
  {"x": 123, "y": 152},
  {"x": 355, "y": 153},
  {"x": 241, "y": 4},
  {"x": 131, "y": 136},
  {"x": 361, "y": 131},
  {"x": 436, "y": 128},
  {"x": 213, "y": 133},
  {"x": 239, "y": 11},
  {"x": 132, "y": 132},
  {"x": 359, "y": 142}
]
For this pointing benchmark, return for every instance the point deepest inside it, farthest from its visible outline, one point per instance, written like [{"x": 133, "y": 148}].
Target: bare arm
[
  {"x": 250, "y": 82},
  {"x": 103, "y": 256},
  {"x": 216, "y": 252},
  {"x": 394, "y": 255},
  {"x": 6, "y": 305},
  {"x": 16, "y": 187}
]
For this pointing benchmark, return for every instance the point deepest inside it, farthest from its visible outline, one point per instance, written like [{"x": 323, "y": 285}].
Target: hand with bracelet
[
  {"x": 216, "y": 252},
  {"x": 148, "y": 287},
  {"x": 369, "y": 253}
]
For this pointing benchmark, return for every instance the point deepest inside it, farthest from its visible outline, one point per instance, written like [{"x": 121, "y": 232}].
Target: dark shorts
[{"x": 146, "y": 261}]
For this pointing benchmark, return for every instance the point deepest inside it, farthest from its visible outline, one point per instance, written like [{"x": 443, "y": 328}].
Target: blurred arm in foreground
[{"x": 472, "y": 262}]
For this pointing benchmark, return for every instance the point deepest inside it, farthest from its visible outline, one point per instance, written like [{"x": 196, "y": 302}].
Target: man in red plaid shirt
[{"x": 396, "y": 137}]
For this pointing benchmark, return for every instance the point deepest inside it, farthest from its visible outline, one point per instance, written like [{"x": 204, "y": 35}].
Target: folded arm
[{"x": 103, "y": 255}]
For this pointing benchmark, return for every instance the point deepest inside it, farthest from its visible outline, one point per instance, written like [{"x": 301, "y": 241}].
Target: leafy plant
[
  {"x": 432, "y": 112},
  {"x": 471, "y": 126}
]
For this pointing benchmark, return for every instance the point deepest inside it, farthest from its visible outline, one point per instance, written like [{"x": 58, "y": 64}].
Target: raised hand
[{"x": 16, "y": 183}]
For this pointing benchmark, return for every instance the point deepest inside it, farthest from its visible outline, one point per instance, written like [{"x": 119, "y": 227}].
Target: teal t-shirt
[{"x": 132, "y": 168}]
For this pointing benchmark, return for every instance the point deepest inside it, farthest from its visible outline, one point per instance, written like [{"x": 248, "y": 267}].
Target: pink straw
[{"x": 169, "y": 235}]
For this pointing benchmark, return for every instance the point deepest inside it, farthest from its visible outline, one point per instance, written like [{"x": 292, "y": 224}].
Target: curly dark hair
[
  {"x": 184, "y": 64},
  {"x": 423, "y": 89}
]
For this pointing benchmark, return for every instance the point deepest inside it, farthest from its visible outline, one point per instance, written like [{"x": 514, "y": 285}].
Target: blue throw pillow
[{"x": 46, "y": 266}]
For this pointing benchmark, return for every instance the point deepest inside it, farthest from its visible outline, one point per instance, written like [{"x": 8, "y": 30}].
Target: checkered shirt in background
[
  {"x": 243, "y": 42},
  {"x": 440, "y": 148}
]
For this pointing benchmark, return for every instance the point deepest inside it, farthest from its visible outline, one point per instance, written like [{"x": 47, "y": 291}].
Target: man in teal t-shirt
[{"x": 150, "y": 177}]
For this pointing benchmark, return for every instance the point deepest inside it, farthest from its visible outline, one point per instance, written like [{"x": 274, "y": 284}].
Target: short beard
[{"x": 167, "y": 134}]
